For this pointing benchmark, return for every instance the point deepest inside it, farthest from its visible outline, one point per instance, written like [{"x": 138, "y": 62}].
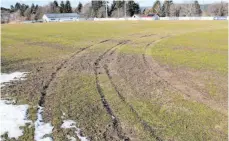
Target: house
[
  {"x": 154, "y": 16},
  {"x": 60, "y": 17}
]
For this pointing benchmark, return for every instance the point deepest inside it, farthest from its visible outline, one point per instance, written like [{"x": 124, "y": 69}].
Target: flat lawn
[
  {"x": 195, "y": 53},
  {"x": 201, "y": 50},
  {"x": 40, "y": 42}
]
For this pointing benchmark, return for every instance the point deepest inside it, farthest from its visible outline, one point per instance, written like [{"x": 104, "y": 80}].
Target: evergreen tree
[
  {"x": 157, "y": 7},
  {"x": 96, "y": 5},
  {"x": 165, "y": 10},
  {"x": 23, "y": 8},
  {"x": 33, "y": 10},
  {"x": 133, "y": 8},
  {"x": 12, "y": 9},
  {"x": 68, "y": 8},
  {"x": 113, "y": 7},
  {"x": 36, "y": 8},
  {"x": 39, "y": 13},
  {"x": 56, "y": 3},
  {"x": 198, "y": 11},
  {"x": 62, "y": 7},
  {"x": 79, "y": 7},
  {"x": 143, "y": 12},
  {"x": 17, "y": 6}
]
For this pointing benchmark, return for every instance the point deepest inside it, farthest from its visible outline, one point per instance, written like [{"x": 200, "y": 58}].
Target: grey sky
[{"x": 143, "y": 3}]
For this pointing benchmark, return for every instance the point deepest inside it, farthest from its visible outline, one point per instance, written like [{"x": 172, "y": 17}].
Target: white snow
[
  {"x": 72, "y": 124},
  {"x": 5, "y": 78},
  {"x": 71, "y": 138},
  {"x": 68, "y": 124},
  {"x": 41, "y": 128},
  {"x": 12, "y": 117}
]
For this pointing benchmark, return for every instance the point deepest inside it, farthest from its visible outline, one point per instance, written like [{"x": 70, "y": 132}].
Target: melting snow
[
  {"x": 71, "y": 138},
  {"x": 11, "y": 77},
  {"x": 41, "y": 128},
  {"x": 72, "y": 124},
  {"x": 12, "y": 117}
]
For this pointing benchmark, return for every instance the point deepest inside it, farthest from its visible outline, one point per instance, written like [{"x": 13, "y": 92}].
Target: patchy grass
[
  {"x": 71, "y": 36},
  {"x": 194, "y": 45},
  {"x": 80, "y": 102}
]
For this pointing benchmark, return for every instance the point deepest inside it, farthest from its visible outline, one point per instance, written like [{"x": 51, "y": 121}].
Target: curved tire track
[
  {"x": 155, "y": 73},
  {"x": 115, "y": 121},
  {"x": 146, "y": 126},
  {"x": 53, "y": 74}
]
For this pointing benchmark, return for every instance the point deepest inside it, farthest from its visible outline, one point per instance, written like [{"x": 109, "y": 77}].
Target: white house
[{"x": 60, "y": 17}]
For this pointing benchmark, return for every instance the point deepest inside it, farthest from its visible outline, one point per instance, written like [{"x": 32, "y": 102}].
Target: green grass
[
  {"x": 200, "y": 50},
  {"x": 71, "y": 36},
  {"x": 173, "y": 116},
  {"x": 199, "y": 46}
]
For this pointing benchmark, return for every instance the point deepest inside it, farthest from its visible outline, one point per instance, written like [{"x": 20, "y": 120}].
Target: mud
[{"x": 132, "y": 76}]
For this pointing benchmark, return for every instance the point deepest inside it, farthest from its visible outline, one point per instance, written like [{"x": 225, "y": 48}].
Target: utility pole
[
  {"x": 125, "y": 8},
  {"x": 106, "y": 8}
]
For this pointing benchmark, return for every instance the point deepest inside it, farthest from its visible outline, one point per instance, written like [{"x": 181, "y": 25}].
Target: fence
[
  {"x": 162, "y": 18},
  {"x": 143, "y": 19}
]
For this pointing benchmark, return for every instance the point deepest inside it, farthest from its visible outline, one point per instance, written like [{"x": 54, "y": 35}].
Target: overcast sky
[{"x": 143, "y": 3}]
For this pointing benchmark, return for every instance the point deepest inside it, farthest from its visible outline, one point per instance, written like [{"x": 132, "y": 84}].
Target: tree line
[
  {"x": 192, "y": 8},
  {"x": 35, "y": 12},
  {"x": 21, "y": 11},
  {"x": 92, "y": 9}
]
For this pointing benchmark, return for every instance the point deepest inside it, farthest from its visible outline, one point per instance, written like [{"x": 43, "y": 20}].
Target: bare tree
[
  {"x": 175, "y": 10},
  {"x": 120, "y": 12},
  {"x": 101, "y": 12},
  {"x": 39, "y": 13},
  {"x": 189, "y": 8},
  {"x": 27, "y": 14},
  {"x": 87, "y": 10},
  {"x": 218, "y": 9}
]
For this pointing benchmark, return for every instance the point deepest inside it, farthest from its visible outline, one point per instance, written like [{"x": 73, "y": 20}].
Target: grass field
[{"x": 135, "y": 80}]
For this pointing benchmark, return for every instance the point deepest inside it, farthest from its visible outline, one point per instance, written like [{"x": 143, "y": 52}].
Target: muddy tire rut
[
  {"x": 116, "y": 124},
  {"x": 59, "y": 67},
  {"x": 107, "y": 56},
  {"x": 145, "y": 125}
]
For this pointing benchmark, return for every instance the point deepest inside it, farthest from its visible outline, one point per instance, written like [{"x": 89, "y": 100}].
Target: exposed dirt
[
  {"x": 132, "y": 76},
  {"x": 181, "y": 82},
  {"x": 116, "y": 124},
  {"x": 148, "y": 35}
]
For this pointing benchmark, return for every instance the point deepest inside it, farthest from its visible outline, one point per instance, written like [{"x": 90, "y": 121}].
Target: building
[
  {"x": 60, "y": 17},
  {"x": 153, "y": 16},
  {"x": 146, "y": 17}
]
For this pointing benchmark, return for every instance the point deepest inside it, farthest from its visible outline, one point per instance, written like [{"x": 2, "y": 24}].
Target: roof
[{"x": 62, "y": 15}]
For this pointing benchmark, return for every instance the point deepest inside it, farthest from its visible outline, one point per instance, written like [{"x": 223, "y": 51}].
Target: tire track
[
  {"x": 53, "y": 74},
  {"x": 146, "y": 126},
  {"x": 155, "y": 73},
  {"x": 147, "y": 35},
  {"x": 115, "y": 121},
  {"x": 143, "y": 55},
  {"x": 180, "y": 85}
]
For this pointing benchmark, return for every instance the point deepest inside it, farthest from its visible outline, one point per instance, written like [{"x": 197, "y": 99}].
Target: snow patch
[
  {"x": 72, "y": 124},
  {"x": 12, "y": 117},
  {"x": 6, "y": 78},
  {"x": 71, "y": 138},
  {"x": 41, "y": 128}
]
